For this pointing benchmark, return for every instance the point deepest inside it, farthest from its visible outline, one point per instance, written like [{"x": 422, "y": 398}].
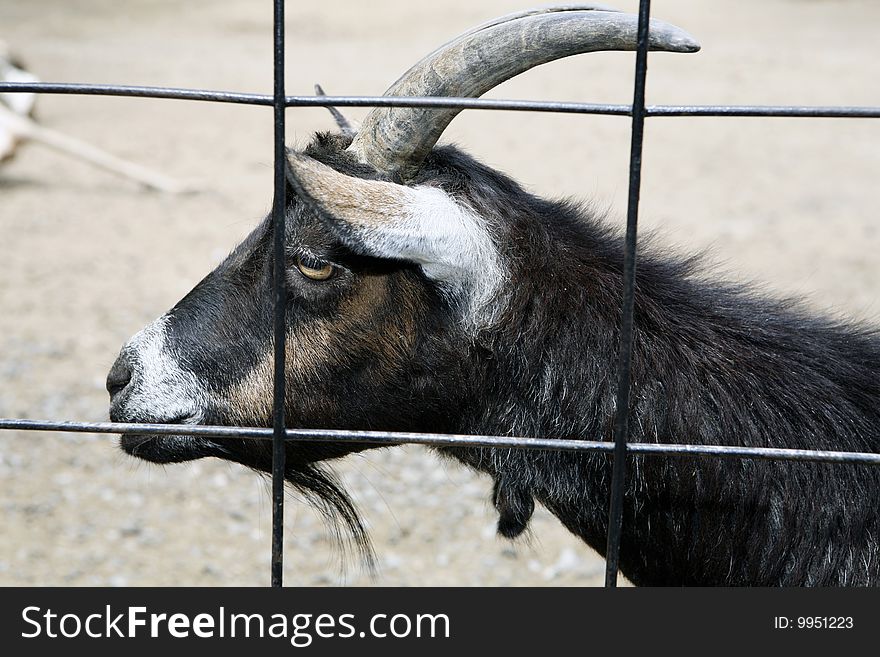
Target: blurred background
[{"x": 87, "y": 258}]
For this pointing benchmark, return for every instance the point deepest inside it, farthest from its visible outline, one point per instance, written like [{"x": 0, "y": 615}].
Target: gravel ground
[{"x": 87, "y": 259}]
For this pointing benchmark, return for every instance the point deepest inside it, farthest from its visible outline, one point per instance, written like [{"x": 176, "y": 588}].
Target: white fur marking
[
  {"x": 161, "y": 389},
  {"x": 450, "y": 242}
]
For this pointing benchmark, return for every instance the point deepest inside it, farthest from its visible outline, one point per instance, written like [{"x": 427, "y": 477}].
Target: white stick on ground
[{"x": 29, "y": 129}]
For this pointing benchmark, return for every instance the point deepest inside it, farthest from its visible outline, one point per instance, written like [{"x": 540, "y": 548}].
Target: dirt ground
[{"x": 86, "y": 259}]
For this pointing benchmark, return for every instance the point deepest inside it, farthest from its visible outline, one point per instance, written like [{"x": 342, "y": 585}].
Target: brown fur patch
[
  {"x": 367, "y": 324},
  {"x": 307, "y": 350},
  {"x": 389, "y": 335}
]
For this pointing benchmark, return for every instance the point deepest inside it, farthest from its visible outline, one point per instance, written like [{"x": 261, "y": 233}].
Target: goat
[{"x": 429, "y": 292}]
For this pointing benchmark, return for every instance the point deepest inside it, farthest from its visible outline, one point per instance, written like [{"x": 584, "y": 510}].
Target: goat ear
[{"x": 423, "y": 225}]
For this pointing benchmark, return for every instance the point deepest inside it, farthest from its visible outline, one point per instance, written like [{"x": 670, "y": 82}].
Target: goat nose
[{"x": 119, "y": 376}]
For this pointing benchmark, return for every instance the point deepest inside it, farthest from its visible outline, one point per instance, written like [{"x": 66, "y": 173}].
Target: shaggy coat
[{"x": 383, "y": 345}]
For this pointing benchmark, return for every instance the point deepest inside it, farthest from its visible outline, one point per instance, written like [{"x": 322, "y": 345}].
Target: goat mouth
[{"x": 169, "y": 448}]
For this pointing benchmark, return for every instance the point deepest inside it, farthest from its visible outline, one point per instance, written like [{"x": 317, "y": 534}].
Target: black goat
[{"x": 427, "y": 292}]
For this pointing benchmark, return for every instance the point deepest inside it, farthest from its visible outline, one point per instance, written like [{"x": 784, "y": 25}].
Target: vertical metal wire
[
  {"x": 279, "y": 293},
  {"x": 621, "y": 420}
]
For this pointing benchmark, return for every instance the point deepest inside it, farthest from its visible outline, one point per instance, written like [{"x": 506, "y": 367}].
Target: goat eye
[{"x": 317, "y": 270}]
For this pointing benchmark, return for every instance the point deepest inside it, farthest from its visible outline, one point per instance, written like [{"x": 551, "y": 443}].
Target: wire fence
[{"x": 619, "y": 449}]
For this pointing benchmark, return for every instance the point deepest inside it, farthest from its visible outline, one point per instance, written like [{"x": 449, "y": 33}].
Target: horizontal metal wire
[
  {"x": 445, "y": 440},
  {"x": 780, "y": 111}
]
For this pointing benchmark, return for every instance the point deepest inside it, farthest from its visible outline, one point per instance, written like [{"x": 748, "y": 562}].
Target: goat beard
[{"x": 323, "y": 492}]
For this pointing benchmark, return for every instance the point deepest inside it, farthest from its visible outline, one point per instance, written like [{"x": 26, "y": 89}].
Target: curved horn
[{"x": 396, "y": 140}]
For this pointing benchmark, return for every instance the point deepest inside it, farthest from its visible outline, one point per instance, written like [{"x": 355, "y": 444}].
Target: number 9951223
[{"x": 813, "y": 623}]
